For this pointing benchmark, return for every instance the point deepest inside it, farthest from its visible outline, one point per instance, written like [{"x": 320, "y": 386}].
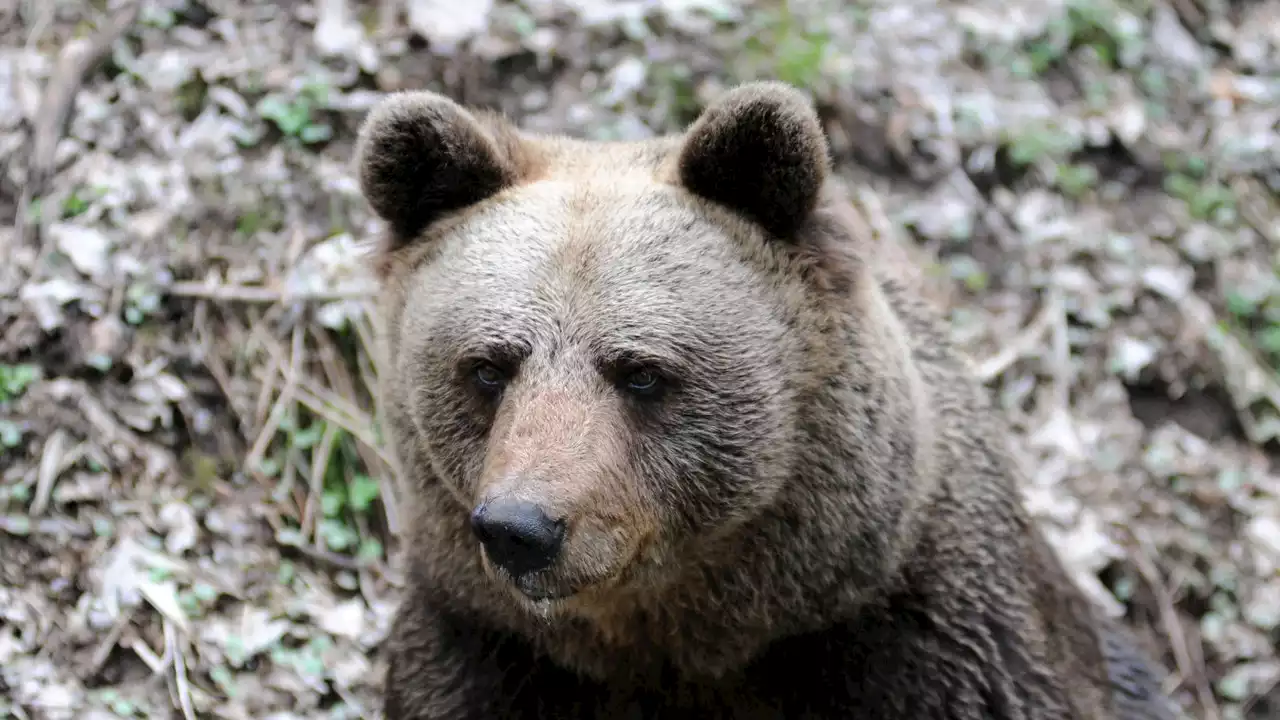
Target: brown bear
[{"x": 679, "y": 441}]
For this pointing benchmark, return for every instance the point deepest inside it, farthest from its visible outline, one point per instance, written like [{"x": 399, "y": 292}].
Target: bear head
[{"x": 603, "y": 351}]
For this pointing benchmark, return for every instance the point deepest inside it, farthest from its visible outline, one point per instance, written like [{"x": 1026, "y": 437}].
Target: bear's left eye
[{"x": 642, "y": 382}]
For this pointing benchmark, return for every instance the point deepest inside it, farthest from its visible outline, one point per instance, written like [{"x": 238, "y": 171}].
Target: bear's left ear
[{"x": 759, "y": 149}]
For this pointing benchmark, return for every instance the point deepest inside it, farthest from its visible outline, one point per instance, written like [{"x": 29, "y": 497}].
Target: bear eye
[
  {"x": 488, "y": 376},
  {"x": 642, "y": 382}
]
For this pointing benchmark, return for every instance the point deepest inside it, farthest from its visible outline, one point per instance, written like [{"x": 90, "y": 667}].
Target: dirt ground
[{"x": 196, "y": 516}]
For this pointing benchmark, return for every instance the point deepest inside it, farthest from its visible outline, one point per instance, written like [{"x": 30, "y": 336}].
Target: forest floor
[{"x": 196, "y": 518}]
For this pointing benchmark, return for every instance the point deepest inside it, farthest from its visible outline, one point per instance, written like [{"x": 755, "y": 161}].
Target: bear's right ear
[{"x": 420, "y": 156}]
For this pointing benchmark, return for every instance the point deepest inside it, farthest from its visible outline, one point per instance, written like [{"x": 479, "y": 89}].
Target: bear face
[
  {"x": 598, "y": 349},
  {"x": 576, "y": 363}
]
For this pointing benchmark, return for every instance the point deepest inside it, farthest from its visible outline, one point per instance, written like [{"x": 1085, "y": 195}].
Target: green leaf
[
  {"x": 370, "y": 549},
  {"x": 10, "y": 434},
  {"x": 315, "y": 133},
  {"x": 306, "y": 438},
  {"x": 332, "y": 502},
  {"x": 337, "y": 536},
  {"x": 14, "y": 379},
  {"x": 361, "y": 492},
  {"x": 1269, "y": 339}
]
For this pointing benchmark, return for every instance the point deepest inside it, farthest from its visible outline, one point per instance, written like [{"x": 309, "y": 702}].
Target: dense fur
[{"x": 784, "y": 494}]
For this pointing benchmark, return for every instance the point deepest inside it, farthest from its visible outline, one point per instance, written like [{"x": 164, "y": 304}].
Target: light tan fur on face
[{"x": 564, "y": 451}]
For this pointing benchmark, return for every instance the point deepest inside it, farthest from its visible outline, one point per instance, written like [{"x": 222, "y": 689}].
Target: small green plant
[
  {"x": 673, "y": 86},
  {"x": 800, "y": 55},
  {"x": 968, "y": 271},
  {"x": 141, "y": 301},
  {"x": 1075, "y": 180},
  {"x": 792, "y": 52},
  {"x": 191, "y": 96},
  {"x": 1111, "y": 32},
  {"x": 1206, "y": 199},
  {"x": 15, "y": 379},
  {"x": 10, "y": 435},
  {"x": 120, "y": 705},
  {"x": 296, "y": 116},
  {"x": 348, "y": 493},
  {"x": 79, "y": 200},
  {"x": 161, "y": 18},
  {"x": 1258, "y": 318},
  {"x": 1044, "y": 141}
]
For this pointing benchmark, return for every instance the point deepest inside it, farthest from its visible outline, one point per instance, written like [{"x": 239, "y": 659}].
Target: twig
[
  {"x": 75, "y": 62},
  {"x": 373, "y": 380},
  {"x": 157, "y": 663},
  {"x": 1246, "y": 378},
  {"x": 341, "y": 562},
  {"x": 339, "y": 375},
  {"x": 265, "y": 391},
  {"x": 319, "y": 464},
  {"x": 254, "y": 459},
  {"x": 38, "y": 29},
  {"x": 103, "y": 651},
  {"x": 1191, "y": 15},
  {"x": 1022, "y": 344},
  {"x": 1261, "y": 693},
  {"x": 1187, "y": 667},
  {"x": 322, "y": 402},
  {"x": 18, "y": 711},
  {"x": 55, "y": 526},
  {"x": 1255, "y": 209},
  {"x": 51, "y": 465},
  {"x": 330, "y": 405},
  {"x": 368, "y": 335},
  {"x": 179, "y": 671},
  {"x": 996, "y": 220},
  {"x": 260, "y": 294},
  {"x": 217, "y": 369}
]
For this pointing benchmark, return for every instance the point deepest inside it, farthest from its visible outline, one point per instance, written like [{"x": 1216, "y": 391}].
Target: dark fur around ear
[
  {"x": 759, "y": 149},
  {"x": 420, "y": 155}
]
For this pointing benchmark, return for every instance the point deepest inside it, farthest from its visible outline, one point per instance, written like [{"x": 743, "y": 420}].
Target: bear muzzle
[{"x": 553, "y": 546}]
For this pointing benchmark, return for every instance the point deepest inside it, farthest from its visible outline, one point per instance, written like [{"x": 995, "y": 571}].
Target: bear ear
[
  {"x": 420, "y": 155},
  {"x": 759, "y": 149}
]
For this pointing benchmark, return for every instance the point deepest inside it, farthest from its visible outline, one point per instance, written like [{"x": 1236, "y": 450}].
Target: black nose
[{"x": 518, "y": 535}]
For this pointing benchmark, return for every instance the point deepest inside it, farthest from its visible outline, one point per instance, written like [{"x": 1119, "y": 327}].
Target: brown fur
[{"x": 814, "y": 515}]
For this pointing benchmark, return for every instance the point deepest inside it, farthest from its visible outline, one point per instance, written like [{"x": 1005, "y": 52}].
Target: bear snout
[
  {"x": 517, "y": 535},
  {"x": 547, "y": 542}
]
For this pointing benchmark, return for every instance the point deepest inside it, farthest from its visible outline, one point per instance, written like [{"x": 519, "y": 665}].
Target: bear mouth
[
  {"x": 543, "y": 590},
  {"x": 566, "y": 584},
  {"x": 545, "y": 597},
  {"x": 551, "y": 587}
]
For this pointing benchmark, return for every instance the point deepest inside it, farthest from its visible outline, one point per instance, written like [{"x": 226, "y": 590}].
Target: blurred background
[{"x": 196, "y": 512}]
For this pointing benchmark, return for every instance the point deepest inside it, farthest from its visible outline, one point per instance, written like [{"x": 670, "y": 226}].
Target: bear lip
[
  {"x": 546, "y": 597},
  {"x": 560, "y": 584},
  {"x": 530, "y": 589},
  {"x": 549, "y": 586}
]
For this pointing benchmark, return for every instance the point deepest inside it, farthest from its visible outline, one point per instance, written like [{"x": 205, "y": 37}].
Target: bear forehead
[{"x": 620, "y": 248}]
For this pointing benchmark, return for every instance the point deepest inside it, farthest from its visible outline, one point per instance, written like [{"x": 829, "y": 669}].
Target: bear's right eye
[{"x": 488, "y": 377}]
